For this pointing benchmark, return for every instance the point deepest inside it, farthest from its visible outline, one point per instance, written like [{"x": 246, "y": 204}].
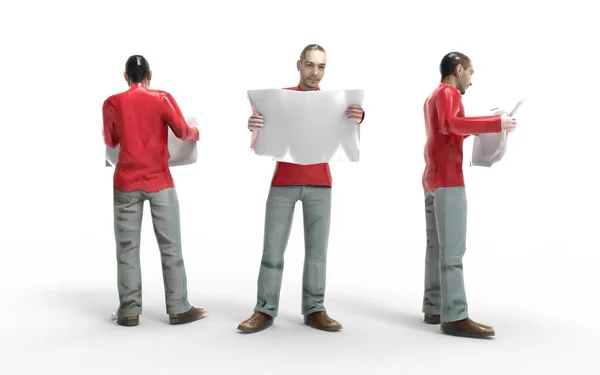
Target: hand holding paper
[
  {"x": 355, "y": 113},
  {"x": 490, "y": 148},
  {"x": 255, "y": 123},
  {"x": 508, "y": 123},
  {"x": 182, "y": 152}
]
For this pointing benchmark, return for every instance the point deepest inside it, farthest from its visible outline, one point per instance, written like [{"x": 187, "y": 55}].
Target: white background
[{"x": 531, "y": 264}]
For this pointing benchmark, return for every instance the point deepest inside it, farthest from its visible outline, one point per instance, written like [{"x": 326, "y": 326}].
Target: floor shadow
[
  {"x": 95, "y": 303},
  {"x": 376, "y": 311},
  {"x": 100, "y": 303}
]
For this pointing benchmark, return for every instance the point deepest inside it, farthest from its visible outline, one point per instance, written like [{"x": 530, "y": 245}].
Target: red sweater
[
  {"x": 137, "y": 120},
  {"x": 447, "y": 127},
  {"x": 289, "y": 174}
]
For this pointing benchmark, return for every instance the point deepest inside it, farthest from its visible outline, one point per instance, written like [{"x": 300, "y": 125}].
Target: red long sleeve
[
  {"x": 446, "y": 127},
  {"x": 174, "y": 118},
  {"x": 449, "y": 106},
  {"x": 138, "y": 121},
  {"x": 111, "y": 138}
]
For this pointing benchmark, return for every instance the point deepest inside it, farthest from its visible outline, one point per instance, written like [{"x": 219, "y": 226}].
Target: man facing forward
[
  {"x": 444, "y": 298},
  {"x": 291, "y": 183}
]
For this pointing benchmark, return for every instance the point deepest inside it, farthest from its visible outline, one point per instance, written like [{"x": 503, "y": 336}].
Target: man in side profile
[
  {"x": 446, "y": 126},
  {"x": 138, "y": 120},
  {"x": 291, "y": 183}
]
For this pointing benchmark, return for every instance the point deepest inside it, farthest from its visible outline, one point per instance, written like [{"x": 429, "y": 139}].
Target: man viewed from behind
[{"x": 138, "y": 120}]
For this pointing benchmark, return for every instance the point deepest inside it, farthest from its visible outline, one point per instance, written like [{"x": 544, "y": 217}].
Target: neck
[
  {"x": 451, "y": 81},
  {"x": 144, "y": 82}
]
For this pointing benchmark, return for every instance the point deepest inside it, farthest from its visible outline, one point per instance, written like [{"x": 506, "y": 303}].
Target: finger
[{"x": 357, "y": 114}]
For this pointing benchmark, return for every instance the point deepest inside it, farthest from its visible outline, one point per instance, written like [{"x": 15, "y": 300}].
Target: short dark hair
[
  {"x": 451, "y": 61},
  {"x": 310, "y": 47},
  {"x": 137, "y": 68}
]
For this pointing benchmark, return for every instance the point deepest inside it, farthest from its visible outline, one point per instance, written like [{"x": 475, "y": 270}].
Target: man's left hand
[{"x": 355, "y": 113}]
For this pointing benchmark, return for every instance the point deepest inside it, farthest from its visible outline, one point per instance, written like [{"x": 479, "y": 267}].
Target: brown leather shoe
[
  {"x": 435, "y": 319},
  {"x": 257, "y": 322},
  {"x": 320, "y": 320},
  {"x": 484, "y": 325},
  {"x": 467, "y": 328},
  {"x": 432, "y": 319},
  {"x": 193, "y": 314},
  {"x": 126, "y": 321}
]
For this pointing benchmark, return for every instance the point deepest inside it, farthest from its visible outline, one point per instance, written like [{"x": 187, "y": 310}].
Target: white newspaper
[
  {"x": 306, "y": 127},
  {"x": 489, "y": 148},
  {"x": 182, "y": 152}
]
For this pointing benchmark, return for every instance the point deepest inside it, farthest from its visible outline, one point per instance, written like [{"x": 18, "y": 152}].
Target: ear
[
  {"x": 126, "y": 76},
  {"x": 458, "y": 70},
  {"x": 150, "y": 75},
  {"x": 298, "y": 65}
]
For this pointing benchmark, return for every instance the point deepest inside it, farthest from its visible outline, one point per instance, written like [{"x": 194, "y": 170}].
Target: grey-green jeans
[
  {"x": 446, "y": 223},
  {"x": 128, "y": 211},
  {"x": 316, "y": 208}
]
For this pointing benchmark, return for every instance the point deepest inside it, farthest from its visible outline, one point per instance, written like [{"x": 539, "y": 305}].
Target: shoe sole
[
  {"x": 322, "y": 328},
  {"x": 128, "y": 323},
  {"x": 125, "y": 322},
  {"x": 262, "y": 327},
  {"x": 469, "y": 334},
  {"x": 176, "y": 321},
  {"x": 432, "y": 320}
]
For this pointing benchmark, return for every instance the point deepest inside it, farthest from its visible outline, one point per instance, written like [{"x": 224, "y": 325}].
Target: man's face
[
  {"x": 464, "y": 77},
  {"x": 312, "y": 69}
]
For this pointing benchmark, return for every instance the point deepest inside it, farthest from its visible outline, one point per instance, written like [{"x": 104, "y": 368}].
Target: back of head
[
  {"x": 451, "y": 61},
  {"x": 137, "y": 68}
]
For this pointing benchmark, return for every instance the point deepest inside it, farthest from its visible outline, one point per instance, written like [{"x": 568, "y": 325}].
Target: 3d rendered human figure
[
  {"x": 444, "y": 298},
  {"x": 310, "y": 184},
  {"x": 138, "y": 121}
]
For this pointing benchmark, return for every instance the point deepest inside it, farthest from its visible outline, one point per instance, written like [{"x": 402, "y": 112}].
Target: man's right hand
[
  {"x": 508, "y": 123},
  {"x": 255, "y": 122}
]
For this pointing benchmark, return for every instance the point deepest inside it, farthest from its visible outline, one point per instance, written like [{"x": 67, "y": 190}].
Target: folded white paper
[
  {"x": 306, "y": 127},
  {"x": 182, "y": 152},
  {"x": 489, "y": 148}
]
